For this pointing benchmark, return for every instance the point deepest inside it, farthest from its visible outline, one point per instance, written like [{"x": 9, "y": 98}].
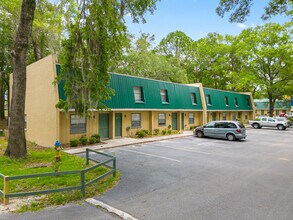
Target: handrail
[{"x": 6, "y": 195}]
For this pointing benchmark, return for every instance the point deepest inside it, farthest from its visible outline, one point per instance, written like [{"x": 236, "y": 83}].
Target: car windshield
[{"x": 240, "y": 125}]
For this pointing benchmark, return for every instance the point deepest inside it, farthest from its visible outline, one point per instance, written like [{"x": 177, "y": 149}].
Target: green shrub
[
  {"x": 164, "y": 132},
  {"x": 140, "y": 134},
  {"x": 92, "y": 140},
  {"x": 98, "y": 137},
  {"x": 169, "y": 131},
  {"x": 192, "y": 127},
  {"x": 169, "y": 127},
  {"x": 156, "y": 131},
  {"x": 83, "y": 140},
  {"x": 73, "y": 143},
  {"x": 146, "y": 131}
]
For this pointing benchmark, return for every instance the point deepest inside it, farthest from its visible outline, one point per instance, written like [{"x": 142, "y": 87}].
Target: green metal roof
[
  {"x": 264, "y": 104},
  {"x": 178, "y": 94},
  {"x": 218, "y": 100}
]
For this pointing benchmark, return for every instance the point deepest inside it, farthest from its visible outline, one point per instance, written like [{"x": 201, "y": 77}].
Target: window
[
  {"x": 191, "y": 118},
  {"x": 264, "y": 119},
  {"x": 220, "y": 124},
  {"x": 224, "y": 116},
  {"x": 162, "y": 119},
  {"x": 230, "y": 125},
  {"x": 277, "y": 112},
  {"x": 138, "y": 94},
  {"x": 193, "y": 98},
  {"x": 236, "y": 102},
  {"x": 210, "y": 125},
  {"x": 246, "y": 116},
  {"x": 226, "y": 100},
  {"x": 262, "y": 112},
  {"x": 208, "y": 99},
  {"x": 77, "y": 124},
  {"x": 271, "y": 120},
  {"x": 248, "y": 102},
  {"x": 164, "y": 96},
  {"x": 135, "y": 120},
  {"x": 233, "y": 116}
]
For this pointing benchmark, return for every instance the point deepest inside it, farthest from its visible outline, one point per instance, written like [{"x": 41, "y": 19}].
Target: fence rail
[{"x": 83, "y": 184}]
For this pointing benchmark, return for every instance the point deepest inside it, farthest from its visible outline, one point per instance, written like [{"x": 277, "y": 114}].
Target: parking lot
[{"x": 193, "y": 178}]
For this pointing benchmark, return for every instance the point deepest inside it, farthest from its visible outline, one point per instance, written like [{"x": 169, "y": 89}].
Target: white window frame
[
  {"x": 193, "y": 98},
  {"x": 138, "y": 94},
  {"x": 135, "y": 120},
  {"x": 236, "y": 102},
  {"x": 226, "y": 100},
  {"x": 79, "y": 125},
  {"x": 164, "y": 95},
  {"x": 208, "y": 99},
  {"x": 162, "y": 119},
  {"x": 191, "y": 119}
]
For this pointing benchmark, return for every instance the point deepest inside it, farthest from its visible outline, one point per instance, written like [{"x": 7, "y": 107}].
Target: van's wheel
[
  {"x": 231, "y": 137},
  {"x": 280, "y": 127},
  {"x": 255, "y": 125},
  {"x": 199, "y": 134}
]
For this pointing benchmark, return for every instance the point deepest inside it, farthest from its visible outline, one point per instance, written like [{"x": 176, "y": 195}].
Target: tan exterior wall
[
  {"x": 245, "y": 116},
  {"x": 265, "y": 112},
  {"x": 41, "y": 97}
]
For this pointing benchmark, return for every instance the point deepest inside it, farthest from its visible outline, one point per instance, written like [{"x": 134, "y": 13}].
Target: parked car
[
  {"x": 284, "y": 119},
  {"x": 269, "y": 122},
  {"x": 230, "y": 130}
]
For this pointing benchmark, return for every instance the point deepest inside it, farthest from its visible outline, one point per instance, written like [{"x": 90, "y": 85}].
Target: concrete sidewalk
[{"x": 119, "y": 142}]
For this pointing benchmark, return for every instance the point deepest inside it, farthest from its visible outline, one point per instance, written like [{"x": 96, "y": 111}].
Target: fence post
[
  {"x": 114, "y": 166},
  {"x": 5, "y": 191},
  {"x": 87, "y": 156},
  {"x": 82, "y": 182}
]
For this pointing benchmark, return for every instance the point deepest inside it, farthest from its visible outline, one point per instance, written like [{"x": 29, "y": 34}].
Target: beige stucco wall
[{"x": 41, "y": 98}]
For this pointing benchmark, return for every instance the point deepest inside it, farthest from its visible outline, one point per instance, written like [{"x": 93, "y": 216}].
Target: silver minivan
[{"x": 230, "y": 130}]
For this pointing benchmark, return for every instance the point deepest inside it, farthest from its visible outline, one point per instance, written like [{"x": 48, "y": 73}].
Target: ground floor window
[
  {"x": 135, "y": 120},
  {"x": 262, "y": 112},
  {"x": 162, "y": 119},
  {"x": 277, "y": 112},
  {"x": 191, "y": 118},
  {"x": 233, "y": 116},
  {"x": 77, "y": 124},
  {"x": 224, "y": 116},
  {"x": 246, "y": 116}
]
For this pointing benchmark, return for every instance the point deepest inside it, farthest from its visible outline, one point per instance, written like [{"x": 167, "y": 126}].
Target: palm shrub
[
  {"x": 74, "y": 142},
  {"x": 98, "y": 137},
  {"x": 92, "y": 140},
  {"x": 83, "y": 140}
]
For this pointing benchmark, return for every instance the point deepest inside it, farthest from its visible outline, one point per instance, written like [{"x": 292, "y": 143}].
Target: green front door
[
  {"x": 182, "y": 121},
  {"x": 118, "y": 124},
  {"x": 174, "y": 121},
  {"x": 104, "y": 125}
]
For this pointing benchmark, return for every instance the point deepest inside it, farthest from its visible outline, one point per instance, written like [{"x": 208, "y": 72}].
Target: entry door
[
  {"x": 104, "y": 125},
  {"x": 174, "y": 121},
  {"x": 182, "y": 121},
  {"x": 118, "y": 124}
]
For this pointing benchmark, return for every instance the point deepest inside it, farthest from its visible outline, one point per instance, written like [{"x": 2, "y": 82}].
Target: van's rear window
[{"x": 240, "y": 125}]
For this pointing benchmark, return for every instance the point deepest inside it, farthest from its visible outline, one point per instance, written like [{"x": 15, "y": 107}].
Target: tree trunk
[
  {"x": 17, "y": 144},
  {"x": 2, "y": 100},
  {"x": 271, "y": 105}
]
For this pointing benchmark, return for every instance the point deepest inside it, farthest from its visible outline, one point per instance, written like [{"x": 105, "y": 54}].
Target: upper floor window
[
  {"x": 208, "y": 99},
  {"x": 138, "y": 94},
  {"x": 226, "y": 100},
  {"x": 236, "y": 102},
  {"x": 193, "y": 98},
  {"x": 77, "y": 124},
  {"x": 248, "y": 102},
  {"x": 164, "y": 96}
]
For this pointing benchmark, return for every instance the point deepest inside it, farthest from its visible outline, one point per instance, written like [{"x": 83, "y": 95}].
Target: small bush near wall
[
  {"x": 192, "y": 127},
  {"x": 169, "y": 131},
  {"x": 74, "y": 142},
  {"x": 98, "y": 137},
  {"x": 146, "y": 132},
  {"x": 140, "y": 134},
  {"x": 83, "y": 140},
  {"x": 156, "y": 131},
  {"x": 164, "y": 132},
  {"x": 92, "y": 140}
]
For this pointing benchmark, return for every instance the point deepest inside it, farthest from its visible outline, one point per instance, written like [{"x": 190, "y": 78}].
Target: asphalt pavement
[{"x": 193, "y": 178}]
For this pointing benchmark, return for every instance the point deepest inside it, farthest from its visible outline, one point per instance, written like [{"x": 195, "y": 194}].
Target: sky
[{"x": 196, "y": 18}]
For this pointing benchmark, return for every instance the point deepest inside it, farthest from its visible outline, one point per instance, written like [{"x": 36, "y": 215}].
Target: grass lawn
[{"x": 41, "y": 160}]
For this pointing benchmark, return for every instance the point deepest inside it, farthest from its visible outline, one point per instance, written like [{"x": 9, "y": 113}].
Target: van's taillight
[{"x": 238, "y": 130}]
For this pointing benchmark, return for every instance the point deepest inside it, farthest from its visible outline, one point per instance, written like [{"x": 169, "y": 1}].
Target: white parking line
[
  {"x": 152, "y": 155},
  {"x": 185, "y": 149}
]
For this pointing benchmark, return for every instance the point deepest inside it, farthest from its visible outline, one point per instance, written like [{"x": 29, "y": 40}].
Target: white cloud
[{"x": 242, "y": 26}]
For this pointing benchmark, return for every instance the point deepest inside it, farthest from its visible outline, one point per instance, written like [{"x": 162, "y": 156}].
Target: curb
[
  {"x": 110, "y": 209},
  {"x": 82, "y": 150}
]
